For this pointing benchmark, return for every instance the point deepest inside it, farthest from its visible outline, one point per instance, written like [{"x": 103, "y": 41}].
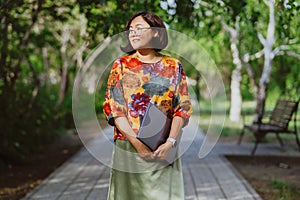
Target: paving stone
[{"x": 49, "y": 191}]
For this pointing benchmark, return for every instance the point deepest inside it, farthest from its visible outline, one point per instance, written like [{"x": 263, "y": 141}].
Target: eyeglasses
[{"x": 138, "y": 31}]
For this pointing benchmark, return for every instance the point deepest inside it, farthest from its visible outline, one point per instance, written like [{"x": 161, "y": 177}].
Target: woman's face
[{"x": 140, "y": 33}]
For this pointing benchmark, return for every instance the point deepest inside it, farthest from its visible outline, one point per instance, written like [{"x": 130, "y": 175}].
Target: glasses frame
[{"x": 138, "y": 31}]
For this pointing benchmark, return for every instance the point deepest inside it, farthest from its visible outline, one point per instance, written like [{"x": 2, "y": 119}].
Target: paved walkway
[{"x": 211, "y": 178}]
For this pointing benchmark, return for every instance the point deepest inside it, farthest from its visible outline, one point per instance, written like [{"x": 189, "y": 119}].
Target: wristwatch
[{"x": 174, "y": 142}]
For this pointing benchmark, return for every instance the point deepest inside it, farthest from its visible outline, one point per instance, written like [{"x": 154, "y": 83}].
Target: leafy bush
[{"x": 27, "y": 127}]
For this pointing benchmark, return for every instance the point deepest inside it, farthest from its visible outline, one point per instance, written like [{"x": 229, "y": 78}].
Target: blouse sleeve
[
  {"x": 114, "y": 104},
  {"x": 181, "y": 103}
]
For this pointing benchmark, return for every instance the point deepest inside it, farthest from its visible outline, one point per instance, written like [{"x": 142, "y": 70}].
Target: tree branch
[
  {"x": 25, "y": 40},
  {"x": 37, "y": 83},
  {"x": 290, "y": 53},
  {"x": 227, "y": 28},
  {"x": 78, "y": 54},
  {"x": 279, "y": 49},
  {"x": 246, "y": 58},
  {"x": 33, "y": 21},
  {"x": 293, "y": 54},
  {"x": 251, "y": 75},
  {"x": 271, "y": 25},
  {"x": 4, "y": 46},
  {"x": 236, "y": 24},
  {"x": 56, "y": 35},
  {"x": 261, "y": 39}
]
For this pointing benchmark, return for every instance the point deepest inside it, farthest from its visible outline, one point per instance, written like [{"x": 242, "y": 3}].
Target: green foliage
[
  {"x": 100, "y": 96},
  {"x": 287, "y": 191},
  {"x": 110, "y": 17},
  {"x": 29, "y": 116},
  {"x": 26, "y": 128}
]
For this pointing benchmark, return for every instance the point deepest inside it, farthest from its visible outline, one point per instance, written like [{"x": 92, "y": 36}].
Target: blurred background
[{"x": 254, "y": 43}]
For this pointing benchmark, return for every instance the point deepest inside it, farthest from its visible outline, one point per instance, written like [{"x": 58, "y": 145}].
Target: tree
[
  {"x": 260, "y": 88},
  {"x": 18, "y": 19},
  {"x": 284, "y": 42},
  {"x": 246, "y": 51},
  {"x": 29, "y": 60},
  {"x": 236, "y": 75}
]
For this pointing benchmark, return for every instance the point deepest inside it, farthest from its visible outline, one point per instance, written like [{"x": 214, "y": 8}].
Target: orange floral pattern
[{"x": 132, "y": 85}]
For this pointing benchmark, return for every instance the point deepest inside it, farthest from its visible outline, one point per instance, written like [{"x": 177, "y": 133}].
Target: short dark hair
[{"x": 153, "y": 20}]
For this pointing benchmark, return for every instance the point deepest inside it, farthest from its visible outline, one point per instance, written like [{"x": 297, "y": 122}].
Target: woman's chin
[{"x": 140, "y": 46}]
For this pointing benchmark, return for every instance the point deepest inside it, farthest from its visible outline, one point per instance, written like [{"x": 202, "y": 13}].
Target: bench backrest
[{"x": 283, "y": 112}]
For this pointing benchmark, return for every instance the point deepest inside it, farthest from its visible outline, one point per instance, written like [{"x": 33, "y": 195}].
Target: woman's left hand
[{"x": 162, "y": 152}]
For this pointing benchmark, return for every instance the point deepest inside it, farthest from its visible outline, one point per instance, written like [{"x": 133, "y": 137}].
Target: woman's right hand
[
  {"x": 143, "y": 151},
  {"x": 124, "y": 127}
]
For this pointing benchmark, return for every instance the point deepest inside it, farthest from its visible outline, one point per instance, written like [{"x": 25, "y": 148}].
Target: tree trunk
[
  {"x": 236, "y": 97},
  {"x": 236, "y": 76},
  {"x": 260, "y": 103},
  {"x": 36, "y": 83},
  {"x": 4, "y": 38},
  {"x": 252, "y": 79},
  {"x": 63, "y": 83},
  {"x": 46, "y": 68},
  {"x": 268, "y": 58},
  {"x": 64, "y": 70},
  {"x": 262, "y": 91}
]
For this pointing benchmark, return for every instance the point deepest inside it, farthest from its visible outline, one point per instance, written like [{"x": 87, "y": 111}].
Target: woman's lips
[{"x": 135, "y": 39}]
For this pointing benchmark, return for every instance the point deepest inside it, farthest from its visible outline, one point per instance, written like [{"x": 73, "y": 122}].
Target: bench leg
[
  {"x": 258, "y": 139},
  {"x": 254, "y": 148},
  {"x": 241, "y": 136},
  {"x": 297, "y": 140},
  {"x": 279, "y": 139}
]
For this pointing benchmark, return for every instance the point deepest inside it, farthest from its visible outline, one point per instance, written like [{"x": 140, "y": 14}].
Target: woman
[{"x": 145, "y": 76}]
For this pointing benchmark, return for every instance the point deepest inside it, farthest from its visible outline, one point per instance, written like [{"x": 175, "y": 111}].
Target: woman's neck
[{"x": 148, "y": 55}]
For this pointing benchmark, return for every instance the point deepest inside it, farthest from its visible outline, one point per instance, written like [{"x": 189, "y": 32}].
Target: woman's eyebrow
[{"x": 136, "y": 25}]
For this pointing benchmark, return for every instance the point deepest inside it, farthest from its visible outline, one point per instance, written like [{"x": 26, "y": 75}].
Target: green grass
[{"x": 287, "y": 191}]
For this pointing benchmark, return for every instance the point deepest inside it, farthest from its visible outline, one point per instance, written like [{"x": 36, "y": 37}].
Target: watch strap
[{"x": 172, "y": 140}]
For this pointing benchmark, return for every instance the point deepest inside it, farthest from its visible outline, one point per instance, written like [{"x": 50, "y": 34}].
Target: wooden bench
[{"x": 278, "y": 123}]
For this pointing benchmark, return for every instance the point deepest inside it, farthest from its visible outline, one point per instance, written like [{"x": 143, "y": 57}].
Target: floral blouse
[{"x": 132, "y": 85}]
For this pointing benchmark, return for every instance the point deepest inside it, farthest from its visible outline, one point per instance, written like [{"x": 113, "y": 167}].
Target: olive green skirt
[{"x": 132, "y": 178}]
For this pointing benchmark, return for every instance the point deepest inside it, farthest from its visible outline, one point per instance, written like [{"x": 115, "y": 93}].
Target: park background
[{"x": 254, "y": 43}]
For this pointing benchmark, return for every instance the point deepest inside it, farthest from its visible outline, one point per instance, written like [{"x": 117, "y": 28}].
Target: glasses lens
[{"x": 138, "y": 31}]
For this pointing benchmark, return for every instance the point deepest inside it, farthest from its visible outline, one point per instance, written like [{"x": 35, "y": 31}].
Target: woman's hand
[
  {"x": 162, "y": 152},
  {"x": 143, "y": 151},
  {"x": 124, "y": 127}
]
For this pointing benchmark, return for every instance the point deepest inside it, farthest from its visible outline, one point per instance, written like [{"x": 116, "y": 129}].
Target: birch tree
[
  {"x": 232, "y": 14},
  {"x": 268, "y": 43},
  {"x": 239, "y": 61},
  {"x": 270, "y": 52}
]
